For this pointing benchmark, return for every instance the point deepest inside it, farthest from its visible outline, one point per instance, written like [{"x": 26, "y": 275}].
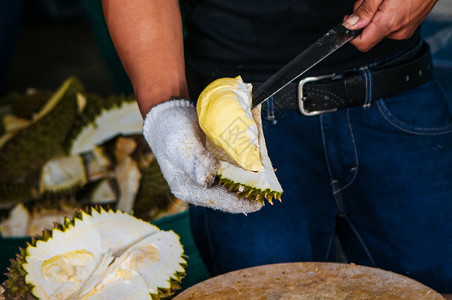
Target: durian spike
[{"x": 269, "y": 198}]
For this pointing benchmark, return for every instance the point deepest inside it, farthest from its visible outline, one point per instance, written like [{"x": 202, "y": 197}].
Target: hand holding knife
[{"x": 322, "y": 48}]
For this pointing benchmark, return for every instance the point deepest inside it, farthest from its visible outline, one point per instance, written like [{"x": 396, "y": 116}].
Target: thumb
[{"x": 363, "y": 13}]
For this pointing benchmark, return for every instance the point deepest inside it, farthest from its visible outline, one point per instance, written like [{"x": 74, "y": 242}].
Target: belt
[{"x": 328, "y": 93}]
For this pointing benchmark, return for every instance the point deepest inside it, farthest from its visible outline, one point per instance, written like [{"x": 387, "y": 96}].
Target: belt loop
[
  {"x": 367, "y": 75},
  {"x": 270, "y": 109}
]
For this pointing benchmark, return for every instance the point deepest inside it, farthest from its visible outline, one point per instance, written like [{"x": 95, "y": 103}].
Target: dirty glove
[{"x": 173, "y": 133}]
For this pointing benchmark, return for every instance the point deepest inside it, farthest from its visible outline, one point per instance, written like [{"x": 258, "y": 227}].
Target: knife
[{"x": 322, "y": 48}]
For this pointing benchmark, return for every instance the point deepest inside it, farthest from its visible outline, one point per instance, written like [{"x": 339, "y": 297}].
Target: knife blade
[{"x": 303, "y": 62}]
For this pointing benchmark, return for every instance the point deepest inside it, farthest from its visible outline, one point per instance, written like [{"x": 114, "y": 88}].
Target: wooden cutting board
[{"x": 309, "y": 280}]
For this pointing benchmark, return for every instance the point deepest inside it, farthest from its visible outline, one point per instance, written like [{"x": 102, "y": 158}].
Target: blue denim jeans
[{"x": 379, "y": 178}]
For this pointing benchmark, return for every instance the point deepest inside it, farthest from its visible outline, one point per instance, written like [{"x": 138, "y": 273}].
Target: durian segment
[
  {"x": 103, "y": 119},
  {"x": 255, "y": 185},
  {"x": 105, "y": 252},
  {"x": 63, "y": 173},
  {"x": 224, "y": 112}
]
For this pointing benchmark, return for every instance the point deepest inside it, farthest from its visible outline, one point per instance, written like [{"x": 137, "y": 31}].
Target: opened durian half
[
  {"x": 235, "y": 137},
  {"x": 98, "y": 255}
]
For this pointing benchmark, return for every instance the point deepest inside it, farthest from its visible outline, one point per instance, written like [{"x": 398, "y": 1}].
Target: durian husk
[
  {"x": 63, "y": 174},
  {"x": 12, "y": 193},
  {"x": 16, "y": 287},
  {"x": 153, "y": 196},
  {"x": 23, "y": 152},
  {"x": 102, "y": 119}
]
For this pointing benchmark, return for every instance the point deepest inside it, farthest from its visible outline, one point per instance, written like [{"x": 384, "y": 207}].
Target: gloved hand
[{"x": 173, "y": 133}]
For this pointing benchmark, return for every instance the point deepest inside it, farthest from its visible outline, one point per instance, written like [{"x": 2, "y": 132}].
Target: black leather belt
[{"x": 321, "y": 94}]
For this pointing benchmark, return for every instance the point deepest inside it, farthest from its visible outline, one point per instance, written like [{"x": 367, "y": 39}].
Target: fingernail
[{"x": 351, "y": 21}]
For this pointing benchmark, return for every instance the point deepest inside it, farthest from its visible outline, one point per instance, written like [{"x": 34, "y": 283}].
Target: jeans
[{"x": 379, "y": 178}]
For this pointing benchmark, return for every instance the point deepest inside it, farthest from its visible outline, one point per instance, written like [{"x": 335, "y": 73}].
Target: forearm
[{"x": 147, "y": 35}]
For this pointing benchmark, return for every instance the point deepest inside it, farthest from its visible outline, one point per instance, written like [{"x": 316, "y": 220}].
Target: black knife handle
[{"x": 353, "y": 33}]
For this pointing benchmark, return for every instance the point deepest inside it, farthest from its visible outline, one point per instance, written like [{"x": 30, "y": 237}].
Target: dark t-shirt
[{"x": 255, "y": 38}]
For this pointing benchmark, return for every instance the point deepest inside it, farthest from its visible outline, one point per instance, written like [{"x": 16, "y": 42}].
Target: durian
[
  {"x": 102, "y": 119},
  {"x": 153, "y": 198},
  {"x": 63, "y": 173},
  {"x": 98, "y": 255},
  {"x": 235, "y": 137},
  {"x": 23, "y": 152},
  {"x": 43, "y": 217}
]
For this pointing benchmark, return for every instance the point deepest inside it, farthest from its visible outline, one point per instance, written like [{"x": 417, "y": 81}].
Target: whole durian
[
  {"x": 98, "y": 255},
  {"x": 235, "y": 137}
]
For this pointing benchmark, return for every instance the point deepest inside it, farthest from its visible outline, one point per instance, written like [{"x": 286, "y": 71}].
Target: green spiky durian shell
[
  {"x": 24, "y": 152},
  {"x": 17, "y": 287},
  {"x": 86, "y": 123}
]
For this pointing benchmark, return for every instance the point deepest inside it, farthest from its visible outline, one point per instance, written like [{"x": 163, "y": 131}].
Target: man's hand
[
  {"x": 394, "y": 19},
  {"x": 172, "y": 131}
]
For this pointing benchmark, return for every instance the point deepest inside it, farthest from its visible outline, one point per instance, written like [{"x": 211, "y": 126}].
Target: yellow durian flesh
[{"x": 224, "y": 112}]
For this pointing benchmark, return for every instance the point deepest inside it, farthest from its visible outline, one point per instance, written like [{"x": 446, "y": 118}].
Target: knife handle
[{"x": 353, "y": 33}]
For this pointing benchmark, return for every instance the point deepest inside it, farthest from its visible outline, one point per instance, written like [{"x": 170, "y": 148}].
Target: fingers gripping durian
[
  {"x": 235, "y": 137},
  {"x": 98, "y": 255}
]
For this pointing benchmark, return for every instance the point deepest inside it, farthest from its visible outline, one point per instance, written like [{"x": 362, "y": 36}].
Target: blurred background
[{"x": 42, "y": 42}]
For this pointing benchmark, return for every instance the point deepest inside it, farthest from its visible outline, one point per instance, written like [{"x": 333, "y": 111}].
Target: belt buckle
[{"x": 302, "y": 98}]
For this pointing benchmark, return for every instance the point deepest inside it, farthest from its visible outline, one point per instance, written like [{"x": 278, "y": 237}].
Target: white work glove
[{"x": 173, "y": 133}]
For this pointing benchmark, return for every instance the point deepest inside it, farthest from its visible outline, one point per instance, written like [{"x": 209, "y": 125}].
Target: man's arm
[
  {"x": 148, "y": 37},
  {"x": 149, "y": 40},
  {"x": 394, "y": 19}
]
